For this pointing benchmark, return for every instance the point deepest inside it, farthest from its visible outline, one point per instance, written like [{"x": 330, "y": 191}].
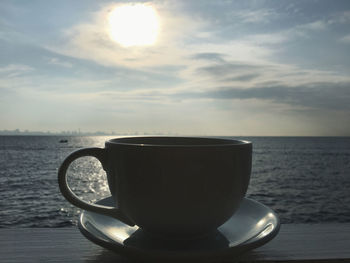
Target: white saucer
[{"x": 251, "y": 226}]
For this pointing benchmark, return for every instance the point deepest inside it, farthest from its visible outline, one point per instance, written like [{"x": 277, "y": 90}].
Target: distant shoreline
[
  {"x": 18, "y": 132},
  {"x": 155, "y": 134}
]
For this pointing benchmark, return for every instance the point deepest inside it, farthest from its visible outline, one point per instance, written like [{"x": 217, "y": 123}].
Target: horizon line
[{"x": 18, "y": 132}]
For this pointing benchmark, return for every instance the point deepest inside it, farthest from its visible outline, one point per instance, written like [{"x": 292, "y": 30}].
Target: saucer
[{"x": 252, "y": 225}]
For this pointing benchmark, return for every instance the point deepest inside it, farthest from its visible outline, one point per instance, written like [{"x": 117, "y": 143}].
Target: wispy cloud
[
  {"x": 269, "y": 38},
  {"x": 342, "y": 17},
  {"x": 210, "y": 56},
  {"x": 249, "y": 74},
  {"x": 226, "y": 68},
  {"x": 243, "y": 77},
  {"x": 16, "y": 67},
  {"x": 325, "y": 96},
  {"x": 59, "y": 62},
  {"x": 13, "y": 70},
  {"x": 255, "y": 16},
  {"x": 345, "y": 39},
  {"x": 317, "y": 25}
]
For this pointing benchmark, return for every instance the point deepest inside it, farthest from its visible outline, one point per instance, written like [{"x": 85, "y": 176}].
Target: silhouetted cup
[{"x": 171, "y": 187}]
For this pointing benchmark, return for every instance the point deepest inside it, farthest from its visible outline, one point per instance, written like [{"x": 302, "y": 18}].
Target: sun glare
[{"x": 134, "y": 25}]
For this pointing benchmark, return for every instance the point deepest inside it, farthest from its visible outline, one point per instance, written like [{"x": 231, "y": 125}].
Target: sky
[{"x": 234, "y": 68}]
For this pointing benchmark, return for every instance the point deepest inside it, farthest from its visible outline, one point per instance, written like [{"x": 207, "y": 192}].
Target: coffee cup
[{"x": 170, "y": 187}]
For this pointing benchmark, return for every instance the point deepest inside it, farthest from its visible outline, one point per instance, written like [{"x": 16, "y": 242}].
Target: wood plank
[
  {"x": 314, "y": 242},
  {"x": 295, "y": 242}
]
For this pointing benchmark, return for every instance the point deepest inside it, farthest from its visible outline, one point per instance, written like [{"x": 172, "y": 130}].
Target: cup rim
[{"x": 205, "y": 141}]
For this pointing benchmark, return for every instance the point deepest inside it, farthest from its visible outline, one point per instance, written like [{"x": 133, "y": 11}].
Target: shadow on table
[
  {"x": 110, "y": 256},
  {"x": 140, "y": 246}
]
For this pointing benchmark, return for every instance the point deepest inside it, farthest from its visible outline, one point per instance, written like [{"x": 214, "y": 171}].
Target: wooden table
[{"x": 295, "y": 242}]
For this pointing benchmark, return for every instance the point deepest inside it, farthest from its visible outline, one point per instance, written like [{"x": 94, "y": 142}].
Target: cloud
[
  {"x": 258, "y": 16},
  {"x": 345, "y": 39},
  {"x": 325, "y": 96},
  {"x": 14, "y": 70},
  {"x": 244, "y": 77},
  {"x": 317, "y": 25},
  {"x": 229, "y": 69},
  {"x": 59, "y": 62},
  {"x": 319, "y": 96},
  {"x": 255, "y": 60},
  {"x": 289, "y": 34},
  {"x": 268, "y": 38},
  {"x": 91, "y": 40},
  {"x": 340, "y": 18},
  {"x": 16, "y": 67},
  {"x": 210, "y": 56}
]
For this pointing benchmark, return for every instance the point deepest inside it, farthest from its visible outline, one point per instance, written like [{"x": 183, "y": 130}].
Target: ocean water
[{"x": 304, "y": 179}]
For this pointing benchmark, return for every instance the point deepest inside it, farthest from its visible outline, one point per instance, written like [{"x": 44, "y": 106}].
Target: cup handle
[{"x": 67, "y": 192}]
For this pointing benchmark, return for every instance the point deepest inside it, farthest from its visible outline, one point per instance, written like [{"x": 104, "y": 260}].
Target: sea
[{"x": 303, "y": 179}]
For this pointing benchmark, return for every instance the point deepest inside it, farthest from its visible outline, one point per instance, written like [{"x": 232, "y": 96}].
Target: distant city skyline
[
  {"x": 78, "y": 132},
  {"x": 245, "y": 67}
]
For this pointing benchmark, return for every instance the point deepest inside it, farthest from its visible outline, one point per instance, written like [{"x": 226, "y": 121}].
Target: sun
[{"x": 134, "y": 25}]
